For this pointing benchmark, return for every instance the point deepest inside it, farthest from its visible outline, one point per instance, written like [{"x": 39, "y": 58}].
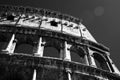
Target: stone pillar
[
  {"x": 11, "y": 45},
  {"x": 68, "y": 73},
  {"x": 38, "y": 53},
  {"x": 40, "y": 48},
  {"x": 108, "y": 62},
  {"x": 86, "y": 59},
  {"x": 91, "y": 58},
  {"x": 34, "y": 75},
  {"x": 67, "y": 55},
  {"x": 115, "y": 69}
]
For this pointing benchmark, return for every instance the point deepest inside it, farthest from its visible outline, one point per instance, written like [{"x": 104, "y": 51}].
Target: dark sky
[{"x": 101, "y": 17}]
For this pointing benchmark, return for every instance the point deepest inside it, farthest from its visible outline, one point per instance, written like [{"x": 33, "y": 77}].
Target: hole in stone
[
  {"x": 10, "y": 17},
  {"x": 53, "y": 23}
]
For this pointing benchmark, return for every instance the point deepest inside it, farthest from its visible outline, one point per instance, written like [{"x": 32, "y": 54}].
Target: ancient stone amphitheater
[{"x": 41, "y": 44}]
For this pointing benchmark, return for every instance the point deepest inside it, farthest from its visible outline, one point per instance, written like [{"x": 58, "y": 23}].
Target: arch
[
  {"x": 100, "y": 61},
  {"x": 52, "y": 42},
  {"x": 24, "y": 48},
  {"x": 77, "y": 54},
  {"x": 52, "y": 47},
  {"x": 25, "y": 44},
  {"x": 75, "y": 57}
]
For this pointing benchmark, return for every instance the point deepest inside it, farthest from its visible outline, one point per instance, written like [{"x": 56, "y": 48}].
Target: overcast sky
[{"x": 101, "y": 17}]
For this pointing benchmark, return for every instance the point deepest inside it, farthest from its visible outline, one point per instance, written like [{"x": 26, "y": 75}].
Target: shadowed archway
[
  {"x": 77, "y": 54},
  {"x": 100, "y": 61},
  {"x": 52, "y": 47}
]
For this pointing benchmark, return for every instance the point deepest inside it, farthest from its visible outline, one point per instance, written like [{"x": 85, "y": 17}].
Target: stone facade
[{"x": 40, "y": 44}]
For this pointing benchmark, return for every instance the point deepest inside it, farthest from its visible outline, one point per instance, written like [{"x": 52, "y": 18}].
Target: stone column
[
  {"x": 40, "y": 48},
  {"x": 38, "y": 53},
  {"x": 108, "y": 62},
  {"x": 86, "y": 59},
  {"x": 67, "y": 55},
  {"x": 68, "y": 73},
  {"x": 91, "y": 61},
  {"x": 11, "y": 45},
  {"x": 34, "y": 75}
]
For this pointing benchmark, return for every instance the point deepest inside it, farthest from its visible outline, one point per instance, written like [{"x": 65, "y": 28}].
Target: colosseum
[{"x": 41, "y": 44}]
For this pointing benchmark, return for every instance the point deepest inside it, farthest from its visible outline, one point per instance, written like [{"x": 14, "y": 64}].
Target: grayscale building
[{"x": 41, "y": 44}]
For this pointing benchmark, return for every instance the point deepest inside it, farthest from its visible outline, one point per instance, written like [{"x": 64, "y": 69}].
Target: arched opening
[
  {"x": 100, "y": 61},
  {"x": 51, "y": 47},
  {"x": 77, "y": 54},
  {"x": 24, "y": 48},
  {"x": 51, "y": 52},
  {"x": 25, "y": 44},
  {"x": 75, "y": 57}
]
